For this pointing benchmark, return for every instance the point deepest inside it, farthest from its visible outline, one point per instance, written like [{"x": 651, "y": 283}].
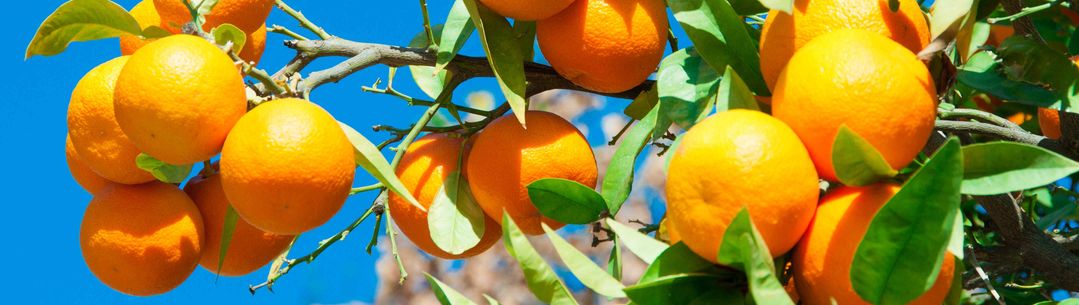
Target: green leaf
[
  {"x": 490, "y": 300},
  {"x": 524, "y": 33},
  {"x": 445, "y": 294},
  {"x": 456, "y": 221},
  {"x": 752, "y": 7},
  {"x": 205, "y": 6},
  {"x": 81, "y": 20},
  {"x": 677, "y": 259},
  {"x": 686, "y": 85},
  {"x": 614, "y": 261},
  {"x": 643, "y": 246},
  {"x": 164, "y": 172},
  {"x": 674, "y": 289},
  {"x": 785, "y": 6},
  {"x": 945, "y": 15},
  {"x": 903, "y": 248},
  {"x": 893, "y": 5},
  {"x": 1034, "y": 62},
  {"x": 956, "y": 242},
  {"x": 743, "y": 247},
  {"x": 618, "y": 182},
  {"x": 982, "y": 72},
  {"x": 590, "y": 274},
  {"x": 231, "y": 217},
  {"x": 1002, "y": 167},
  {"x": 723, "y": 295},
  {"x": 733, "y": 93},
  {"x": 153, "y": 32},
  {"x": 225, "y": 33},
  {"x": 455, "y": 33},
  {"x": 642, "y": 104},
  {"x": 720, "y": 35},
  {"x": 1071, "y": 301},
  {"x": 506, "y": 59},
  {"x": 430, "y": 82},
  {"x": 539, "y": 276},
  {"x": 371, "y": 159},
  {"x": 856, "y": 162},
  {"x": 566, "y": 201}
]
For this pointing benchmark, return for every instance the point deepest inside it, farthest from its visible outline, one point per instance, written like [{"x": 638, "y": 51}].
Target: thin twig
[
  {"x": 285, "y": 31},
  {"x": 984, "y": 276},
  {"x": 307, "y": 24},
  {"x": 357, "y": 190},
  {"x": 1027, "y": 11},
  {"x": 431, "y": 43},
  {"x": 978, "y": 114}
]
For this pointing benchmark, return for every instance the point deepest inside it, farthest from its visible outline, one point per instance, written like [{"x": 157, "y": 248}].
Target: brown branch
[{"x": 1034, "y": 248}]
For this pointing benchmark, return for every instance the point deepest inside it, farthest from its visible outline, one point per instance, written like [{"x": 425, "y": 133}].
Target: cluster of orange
[
  {"x": 285, "y": 166},
  {"x": 831, "y": 63}
]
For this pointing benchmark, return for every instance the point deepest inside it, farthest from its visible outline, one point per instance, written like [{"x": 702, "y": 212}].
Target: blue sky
[{"x": 45, "y": 206}]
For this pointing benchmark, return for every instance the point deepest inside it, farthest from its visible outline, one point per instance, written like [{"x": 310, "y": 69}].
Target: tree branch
[
  {"x": 1037, "y": 250},
  {"x": 1023, "y": 25}
]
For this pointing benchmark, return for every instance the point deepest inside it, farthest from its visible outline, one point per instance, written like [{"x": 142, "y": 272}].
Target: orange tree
[{"x": 845, "y": 151}]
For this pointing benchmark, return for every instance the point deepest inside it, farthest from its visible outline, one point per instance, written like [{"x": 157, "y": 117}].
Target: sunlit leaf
[
  {"x": 456, "y": 221},
  {"x": 643, "y": 246},
  {"x": 590, "y": 274},
  {"x": 454, "y": 34},
  {"x": 231, "y": 217},
  {"x": 618, "y": 182},
  {"x": 445, "y": 294},
  {"x": 1002, "y": 167},
  {"x": 733, "y": 93},
  {"x": 164, "y": 172},
  {"x": 371, "y": 159},
  {"x": 946, "y": 14},
  {"x": 721, "y": 37},
  {"x": 856, "y": 162},
  {"x": 686, "y": 85},
  {"x": 225, "y": 33},
  {"x": 566, "y": 201},
  {"x": 982, "y": 72},
  {"x": 743, "y": 247},
  {"x": 677, "y": 259},
  {"x": 505, "y": 59},
  {"x": 81, "y": 20},
  {"x": 539, "y": 276}
]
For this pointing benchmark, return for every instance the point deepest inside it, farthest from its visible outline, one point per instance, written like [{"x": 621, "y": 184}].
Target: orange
[
  {"x": 506, "y": 158},
  {"x": 178, "y": 97},
  {"x": 605, "y": 45},
  {"x": 95, "y": 133},
  {"x": 426, "y": 166},
  {"x": 783, "y": 34},
  {"x": 249, "y": 249},
  {"x": 84, "y": 176},
  {"x": 668, "y": 231},
  {"x": 145, "y": 13},
  {"x": 287, "y": 166},
  {"x": 1049, "y": 121},
  {"x": 527, "y": 10},
  {"x": 732, "y": 160},
  {"x": 821, "y": 262},
  {"x": 141, "y": 239},
  {"x": 247, "y": 15},
  {"x": 880, "y": 90},
  {"x": 255, "y": 45}
]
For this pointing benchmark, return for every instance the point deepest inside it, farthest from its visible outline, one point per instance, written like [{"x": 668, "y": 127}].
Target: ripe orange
[
  {"x": 287, "y": 166},
  {"x": 145, "y": 13},
  {"x": 880, "y": 90},
  {"x": 527, "y": 10},
  {"x": 84, "y": 176},
  {"x": 735, "y": 159},
  {"x": 178, "y": 97},
  {"x": 605, "y": 45},
  {"x": 249, "y": 249},
  {"x": 666, "y": 229},
  {"x": 821, "y": 262},
  {"x": 506, "y": 158},
  {"x": 424, "y": 170},
  {"x": 95, "y": 134},
  {"x": 1049, "y": 122},
  {"x": 244, "y": 14},
  {"x": 783, "y": 34},
  {"x": 141, "y": 239},
  {"x": 255, "y": 45}
]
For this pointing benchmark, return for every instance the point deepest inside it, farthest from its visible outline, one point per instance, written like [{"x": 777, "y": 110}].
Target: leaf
[
  {"x": 153, "y": 32},
  {"x": 981, "y": 72},
  {"x": 743, "y": 247},
  {"x": 1034, "y": 62},
  {"x": 719, "y": 34},
  {"x": 524, "y": 32},
  {"x": 590, "y": 274},
  {"x": 231, "y": 217},
  {"x": 456, "y": 221},
  {"x": 614, "y": 261},
  {"x": 856, "y": 162},
  {"x": 81, "y": 20},
  {"x": 164, "y": 172},
  {"x": 490, "y": 300},
  {"x": 455, "y": 33},
  {"x": 724, "y": 295},
  {"x": 753, "y": 7},
  {"x": 539, "y": 276},
  {"x": 643, "y": 246},
  {"x": 566, "y": 201},
  {"x": 225, "y": 33},
  {"x": 642, "y": 104},
  {"x": 506, "y": 59},
  {"x": 903, "y": 248},
  {"x": 618, "y": 181},
  {"x": 685, "y": 84},
  {"x": 445, "y": 294},
  {"x": 955, "y": 293},
  {"x": 430, "y": 82},
  {"x": 957, "y": 239},
  {"x": 893, "y": 5},
  {"x": 1002, "y": 167},
  {"x": 677, "y": 259},
  {"x": 945, "y": 15},
  {"x": 733, "y": 93},
  {"x": 785, "y": 6},
  {"x": 369, "y": 157},
  {"x": 674, "y": 289}
]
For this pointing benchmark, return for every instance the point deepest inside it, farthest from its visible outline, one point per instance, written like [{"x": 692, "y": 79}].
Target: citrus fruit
[
  {"x": 84, "y": 176},
  {"x": 145, "y": 13},
  {"x": 605, "y": 45},
  {"x": 1049, "y": 122},
  {"x": 287, "y": 166},
  {"x": 732, "y": 160},
  {"x": 244, "y": 14},
  {"x": 254, "y": 46},
  {"x": 141, "y": 239},
  {"x": 427, "y": 165},
  {"x": 248, "y": 250},
  {"x": 526, "y": 10},
  {"x": 95, "y": 133},
  {"x": 506, "y": 158},
  {"x": 177, "y": 99},
  {"x": 783, "y": 34},
  {"x": 880, "y": 90},
  {"x": 821, "y": 262}
]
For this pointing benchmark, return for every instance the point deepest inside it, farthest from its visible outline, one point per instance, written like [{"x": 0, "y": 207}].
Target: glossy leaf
[
  {"x": 856, "y": 162},
  {"x": 430, "y": 82},
  {"x": 541, "y": 279},
  {"x": 81, "y": 20},
  {"x": 946, "y": 14},
  {"x": 164, "y": 172},
  {"x": 566, "y": 201},
  {"x": 524, "y": 33},
  {"x": 231, "y": 217},
  {"x": 1002, "y": 167},
  {"x": 674, "y": 289},
  {"x": 752, "y": 7},
  {"x": 743, "y": 247},
  {"x": 1034, "y": 62},
  {"x": 590, "y": 274},
  {"x": 456, "y": 221},
  {"x": 686, "y": 85},
  {"x": 733, "y": 93},
  {"x": 490, "y": 300},
  {"x": 677, "y": 259},
  {"x": 505, "y": 59},
  {"x": 720, "y": 35},
  {"x": 445, "y": 294},
  {"x": 785, "y": 6},
  {"x": 903, "y": 248},
  {"x": 982, "y": 72},
  {"x": 371, "y": 159},
  {"x": 614, "y": 261},
  {"x": 618, "y": 182},
  {"x": 225, "y": 33},
  {"x": 455, "y": 33},
  {"x": 642, "y": 104},
  {"x": 643, "y": 246}
]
